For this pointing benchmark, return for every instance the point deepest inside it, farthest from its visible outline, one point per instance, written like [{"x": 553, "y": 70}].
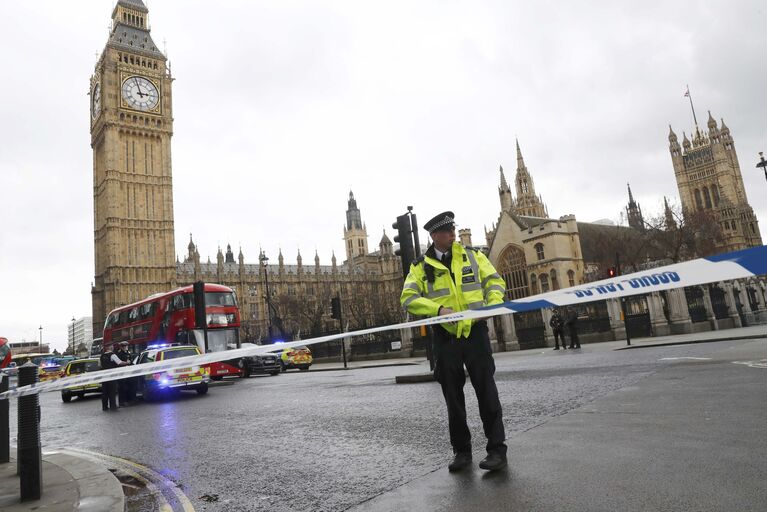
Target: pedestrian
[
  {"x": 126, "y": 391},
  {"x": 109, "y": 360},
  {"x": 557, "y": 325},
  {"x": 572, "y": 327},
  {"x": 448, "y": 278}
]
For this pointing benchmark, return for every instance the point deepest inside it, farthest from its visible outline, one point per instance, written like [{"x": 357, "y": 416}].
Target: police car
[
  {"x": 77, "y": 367},
  {"x": 192, "y": 377}
]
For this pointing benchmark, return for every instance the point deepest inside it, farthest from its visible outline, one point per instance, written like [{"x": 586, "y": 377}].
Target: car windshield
[
  {"x": 83, "y": 366},
  {"x": 181, "y": 352}
]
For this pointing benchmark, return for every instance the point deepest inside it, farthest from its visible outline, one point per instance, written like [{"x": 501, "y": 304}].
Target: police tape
[{"x": 735, "y": 265}]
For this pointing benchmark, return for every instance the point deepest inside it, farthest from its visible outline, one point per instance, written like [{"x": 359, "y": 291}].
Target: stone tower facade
[
  {"x": 634, "y": 213},
  {"x": 709, "y": 180},
  {"x": 131, "y": 128},
  {"x": 526, "y": 203},
  {"x": 355, "y": 232}
]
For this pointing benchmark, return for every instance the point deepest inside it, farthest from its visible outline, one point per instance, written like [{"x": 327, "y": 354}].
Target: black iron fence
[
  {"x": 718, "y": 302},
  {"x": 696, "y": 305},
  {"x": 531, "y": 332}
]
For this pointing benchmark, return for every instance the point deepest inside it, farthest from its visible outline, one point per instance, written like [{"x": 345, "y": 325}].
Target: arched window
[
  {"x": 715, "y": 191},
  {"x": 707, "y": 197},
  {"x": 539, "y": 251},
  {"x": 554, "y": 280},
  {"x": 533, "y": 284},
  {"x": 512, "y": 267},
  {"x": 698, "y": 201},
  {"x": 544, "y": 278},
  {"x": 571, "y": 278}
]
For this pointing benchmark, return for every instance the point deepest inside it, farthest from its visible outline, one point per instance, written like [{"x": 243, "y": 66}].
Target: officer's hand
[{"x": 445, "y": 311}]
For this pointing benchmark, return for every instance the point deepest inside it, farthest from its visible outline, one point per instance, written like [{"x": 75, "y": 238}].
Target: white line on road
[
  {"x": 685, "y": 357},
  {"x": 762, "y": 363}
]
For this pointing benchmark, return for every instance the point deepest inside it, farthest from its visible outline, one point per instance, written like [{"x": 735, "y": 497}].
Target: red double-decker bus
[{"x": 166, "y": 318}]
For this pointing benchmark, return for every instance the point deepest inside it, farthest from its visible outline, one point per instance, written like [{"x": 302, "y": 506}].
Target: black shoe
[
  {"x": 556, "y": 348},
  {"x": 493, "y": 462},
  {"x": 461, "y": 460}
]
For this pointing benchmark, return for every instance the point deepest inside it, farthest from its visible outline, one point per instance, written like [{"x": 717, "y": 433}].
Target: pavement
[
  {"x": 70, "y": 483},
  {"x": 630, "y": 432}
]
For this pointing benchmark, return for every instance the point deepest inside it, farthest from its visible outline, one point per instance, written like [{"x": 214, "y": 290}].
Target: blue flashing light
[
  {"x": 278, "y": 342},
  {"x": 164, "y": 382},
  {"x": 158, "y": 345}
]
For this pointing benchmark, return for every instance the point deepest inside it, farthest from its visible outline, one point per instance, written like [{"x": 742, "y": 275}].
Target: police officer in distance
[
  {"x": 126, "y": 392},
  {"x": 107, "y": 361},
  {"x": 448, "y": 278}
]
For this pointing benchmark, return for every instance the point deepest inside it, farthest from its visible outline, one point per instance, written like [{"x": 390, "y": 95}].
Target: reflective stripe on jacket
[{"x": 476, "y": 283}]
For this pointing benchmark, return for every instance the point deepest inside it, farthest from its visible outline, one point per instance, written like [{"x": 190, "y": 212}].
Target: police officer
[
  {"x": 109, "y": 360},
  {"x": 447, "y": 278},
  {"x": 126, "y": 392}
]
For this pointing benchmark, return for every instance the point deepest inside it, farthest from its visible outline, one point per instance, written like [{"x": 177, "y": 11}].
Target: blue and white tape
[{"x": 735, "y": 265}]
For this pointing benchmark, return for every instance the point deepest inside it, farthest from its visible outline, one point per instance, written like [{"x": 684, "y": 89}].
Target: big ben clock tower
[{"x": 131, "y": 128}]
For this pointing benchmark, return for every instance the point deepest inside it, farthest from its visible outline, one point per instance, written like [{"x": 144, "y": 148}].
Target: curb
[
  {"x": 361, "y": 367},
  {"x": 414, "y": 379},
  {"x": 690, "y": 342}
]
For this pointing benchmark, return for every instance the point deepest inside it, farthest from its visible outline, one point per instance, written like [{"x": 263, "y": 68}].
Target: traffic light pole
[{"x": 335, "y": 312}]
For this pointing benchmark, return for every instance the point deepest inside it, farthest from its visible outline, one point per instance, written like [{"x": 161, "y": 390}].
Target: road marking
[
  {"x": 690, "y": 358},
  {"x": 761, "y": 363},
  {"x": 147, "y": 475}
]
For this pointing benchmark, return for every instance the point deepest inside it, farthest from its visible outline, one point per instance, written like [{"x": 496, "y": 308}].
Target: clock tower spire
[{"x": 131, "y": 128}]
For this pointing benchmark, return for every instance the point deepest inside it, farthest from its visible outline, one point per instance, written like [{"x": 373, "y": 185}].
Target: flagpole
[{"x": 691, "y": 106}]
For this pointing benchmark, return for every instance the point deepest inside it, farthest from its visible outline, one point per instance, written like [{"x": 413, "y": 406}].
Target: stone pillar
[
  {"x": 740, "y": 291},
  {"x": 713, "y": 322},
  {"x": 760, "y": 314},
  {"x": 657, "y": 317},
  {"x": 509, "y": 332},
  {"x": 494, "y": 341},
  {"x": 729, "y": 297},
  {"x": 548, "y": 331},
  {"x": 679, "y": 314},
  {"x": 617, "y": 325},
  {"x": 406, "y": 336}
]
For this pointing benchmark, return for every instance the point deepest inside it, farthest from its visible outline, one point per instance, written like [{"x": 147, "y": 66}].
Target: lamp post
[
  {"x": 263, "y": 260},
  {"x": 73, "y": 335},
  {"x": 763, "y": 164},
  {"x": 40, "y": 347}
]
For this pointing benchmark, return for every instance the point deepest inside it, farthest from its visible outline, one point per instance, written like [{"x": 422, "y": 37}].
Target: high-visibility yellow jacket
[{"x": 475, "y": 283}]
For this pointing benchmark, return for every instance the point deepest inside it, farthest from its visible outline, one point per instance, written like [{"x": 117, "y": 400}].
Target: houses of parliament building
[{"x": 131, "y": 126}]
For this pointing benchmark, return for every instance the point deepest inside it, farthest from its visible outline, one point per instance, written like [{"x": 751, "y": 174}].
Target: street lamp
[
  {"x": 263, "y": 260},
  {"x": 73, "y": 335},
  {"x": 763, "y": 164}
]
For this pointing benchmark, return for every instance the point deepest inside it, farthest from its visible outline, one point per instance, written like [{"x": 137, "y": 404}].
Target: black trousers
[
  {"x": 559, "y": 335},
  {"x": 475, "y": 353},
  {"x": 109, "y": 395},
  {"x": 126, "y": 391},
  {"x": 574, "y": 342}
]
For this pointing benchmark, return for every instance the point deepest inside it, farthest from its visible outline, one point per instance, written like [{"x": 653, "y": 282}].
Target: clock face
[
  {"x": 140, "y": 93},
  {"x": 96, "y": 101}
]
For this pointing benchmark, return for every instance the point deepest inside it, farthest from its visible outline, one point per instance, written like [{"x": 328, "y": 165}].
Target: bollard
[
  {"x": 29, "y": 455},
  {"x": 5, "y": 429}
]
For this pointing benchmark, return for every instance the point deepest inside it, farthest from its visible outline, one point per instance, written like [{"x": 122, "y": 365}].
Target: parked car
[
  {"x": 296, "y": 357},
  {"x": 261, "y": 363},
  {"x": 77, "y": 367}
]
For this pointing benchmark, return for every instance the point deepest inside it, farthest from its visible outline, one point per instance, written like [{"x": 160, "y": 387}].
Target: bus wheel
[
  {"x": 304, "y": 368},
  {"x": 202, "y": 389},
  {"x": 80, "y": 395},
  {"x": 274, "y": 373},
  {"x": 66, "y": 397}
]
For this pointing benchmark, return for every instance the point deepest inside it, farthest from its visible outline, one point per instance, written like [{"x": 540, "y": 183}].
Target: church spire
[
  {"x": 504, "y": 191},
  {"x": 634, "y": 212},
  {"x": 527, "y": 202}
]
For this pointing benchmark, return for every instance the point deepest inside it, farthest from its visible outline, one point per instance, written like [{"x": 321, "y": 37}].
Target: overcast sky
[{"x": 282, "y": 107}]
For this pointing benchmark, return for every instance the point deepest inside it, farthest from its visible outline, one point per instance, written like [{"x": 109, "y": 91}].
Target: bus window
[
  {"x": 123, "y": 318},
  {"x": 219, "y": 299},
  {"x": 133, "y": 315},
  {"x": 183, "y": 301}
]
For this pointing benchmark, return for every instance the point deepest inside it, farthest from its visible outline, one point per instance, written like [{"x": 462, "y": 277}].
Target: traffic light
[
  {"x": 406, "y": 251},
  {"x": 335, "y": 308},
  {"x": 611, "y": 272}
]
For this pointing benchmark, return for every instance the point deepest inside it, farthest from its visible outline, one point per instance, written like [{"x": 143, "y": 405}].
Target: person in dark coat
[
  {"x": 557, "y": 324},
  {"x": 108, "y": 361},
  {"x": 572, "y": 327},
  {"x": 126, "y": 389}
]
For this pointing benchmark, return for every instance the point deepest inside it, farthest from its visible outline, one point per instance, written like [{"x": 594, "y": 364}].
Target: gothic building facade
[
  {"x": 284, "y": 300},
  {"x": 709, "y": 180}
]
